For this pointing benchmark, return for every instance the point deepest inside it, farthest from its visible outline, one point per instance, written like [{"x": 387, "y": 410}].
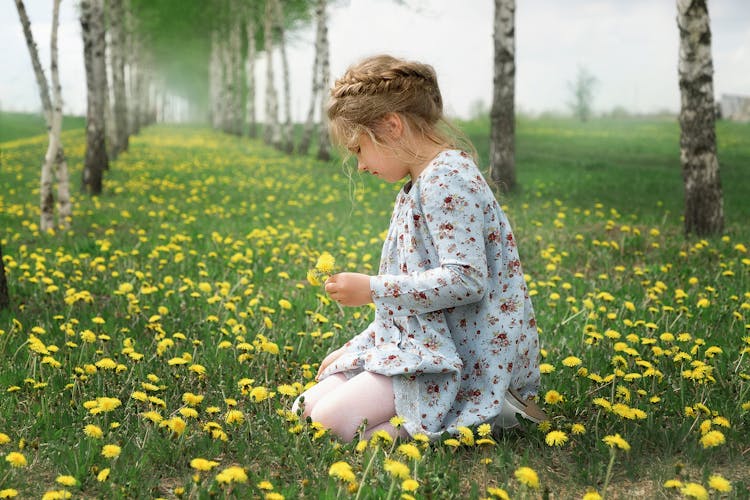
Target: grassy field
[
  {"x": 20, "y": 125},
  {"x": 153, "y": 349}
]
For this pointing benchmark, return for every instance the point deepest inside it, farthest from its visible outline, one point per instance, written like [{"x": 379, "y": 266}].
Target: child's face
[{"x": 379, "y": 161}]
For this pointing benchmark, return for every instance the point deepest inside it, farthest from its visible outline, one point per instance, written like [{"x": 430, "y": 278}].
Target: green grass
[
  {"x": 21, "y": 125},
  {"x": 171, "y": 282}
]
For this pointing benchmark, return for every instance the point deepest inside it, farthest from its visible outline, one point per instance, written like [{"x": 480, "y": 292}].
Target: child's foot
[{"x": 515, "y": 405}]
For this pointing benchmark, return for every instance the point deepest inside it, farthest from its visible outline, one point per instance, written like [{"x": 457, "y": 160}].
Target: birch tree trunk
[
  {"x": 502, "y": 115},
  {"x": 272, "y": 132},
  {"x": 324, "y": 141},
  {"x": 53, "y": 117},
  {"x": 117, "y": 58},
  {"x": 307, "y": 130},
  {"x": 64, "y": 208},
  {"x": 286, "y": 133},
  {"x": 4, "y": 293},
  {"x": 96, "y": 161},
  {"x": 704, "y": 203},
  {"x": 250, "y": 118},
  {"x": 237, "y": 73},
  {"x": 214, "y": 81}
]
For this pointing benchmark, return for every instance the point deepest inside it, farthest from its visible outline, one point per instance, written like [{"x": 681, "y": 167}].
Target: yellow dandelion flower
[
  {"x": 591, "y": 495},
  {"x": 578, "y": 429},
  {"x": 56, "y": 495},
  {"x": 325, "y": 264},
  {"x": 673, "y": 483},
  {"x": 93, "y": 431},
  {"x": 342, "y": 470},
  {"x": 66, "y": 480},
  {"x": 410, "y": 451},
  {"x": 8, "y": 493},
  {"x": 496, "y": 492},
  {"x": 616, "y": 441},
  {"x": 111, "y": 451},
  {"x": 545, "y": 368},
  {"x": 265, "y": 485},
  {"x": 527, "y": 476},
  {"x": 234, "y": 417},
  {"x": 191, "y": 399},
  {"x": 397, "y": 421},
  {"x": 259, "y": 394},
  {"x": 4, "y": 438},
  {"x": 272, "y": 495},
  {"x": 694, "y": 490},
  {"x": 556, "y": 438},
  {"x": 232, "y": 474},
  {"x": 103, "y": 475},
  {"x": 466, "y": 436},
  {"x": 571, "y": 361},
  {"x": 719, "y": 483},
  {"x": 409, "y": 485},
  {"x": 712, "y": 438},
  {"x": 202, "y": 464},
  {"x": 553, "y": 397},
  {"x": 452, "y": 442},
  {"x": 484, "y": 430},
  {"x": 396, "y": 468},
  {"x": 16, "y": 459}
]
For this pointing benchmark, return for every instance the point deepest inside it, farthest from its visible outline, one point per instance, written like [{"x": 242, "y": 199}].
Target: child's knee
[{"x": 330, "y": 414}]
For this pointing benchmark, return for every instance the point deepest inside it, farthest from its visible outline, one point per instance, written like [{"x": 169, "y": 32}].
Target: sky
[{"x": 630, "y": 46}]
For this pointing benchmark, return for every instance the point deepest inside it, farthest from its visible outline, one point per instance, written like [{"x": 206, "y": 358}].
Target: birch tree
[
  {"x": 317, "y": 87},
  {"x": 96, "y": 160},
  {"x": 52, "y": 106},
  {"x": 704, "y": 211},
  {"x": 4, "y": 293},
  {"x": 117, "y": 63},
  {"x": 272, "y": 131},
  {"x": 324, "y": 141},
  {"x": 250, "y": 117},
  {"x": 287, "y": 140},
  {"x": 502, "y": 115}
]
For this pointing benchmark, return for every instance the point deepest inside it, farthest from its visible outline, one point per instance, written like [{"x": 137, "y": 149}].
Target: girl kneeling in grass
[{"x": 454, "y": 340}]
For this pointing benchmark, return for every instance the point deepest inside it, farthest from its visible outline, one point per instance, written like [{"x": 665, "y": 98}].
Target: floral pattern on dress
[{"x": 454, "y": 325}]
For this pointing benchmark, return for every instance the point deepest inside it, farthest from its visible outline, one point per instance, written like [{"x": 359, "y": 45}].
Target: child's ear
[{"x": 393, "y": 125}]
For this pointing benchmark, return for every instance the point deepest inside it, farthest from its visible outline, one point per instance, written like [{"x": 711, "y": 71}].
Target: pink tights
[{"x": 342, "y": 404}]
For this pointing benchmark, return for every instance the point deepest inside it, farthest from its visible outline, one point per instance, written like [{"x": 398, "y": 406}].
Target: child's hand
[
  {"x": 328, "y": 360},
  {"x": 349, "y": 289}
]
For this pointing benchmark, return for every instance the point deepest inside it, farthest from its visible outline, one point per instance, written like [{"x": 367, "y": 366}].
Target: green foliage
[{"x": 188, "y": 275}]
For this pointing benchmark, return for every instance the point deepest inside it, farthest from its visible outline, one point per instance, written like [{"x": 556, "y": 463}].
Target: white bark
[
  {"x": 286, "y": 132},
  {"x": 250, "y": 118},
  {"x": 214, "y": 81},
  {"x": 704, "y": 202},
  {"x": 96, "y": 161},
  {"x": 117, "y": 62},
  {"x": 55, "y": 155},
  {"x": 502, "y": 115},
  {"x": 317, "y": 86},
  {"x": 272, "y": 131},
  {"x": 64, "y": 208},
  {"x": 324, "y": 141}
]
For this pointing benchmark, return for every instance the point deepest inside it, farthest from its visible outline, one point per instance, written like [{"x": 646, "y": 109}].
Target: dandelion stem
[
  {"x": 390, "y": 490},
  {"x": 366, "y": 471},
  {"x": 612, "y": 454}
]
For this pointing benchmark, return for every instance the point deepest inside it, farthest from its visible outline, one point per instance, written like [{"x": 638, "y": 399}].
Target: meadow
[{"x": 154, "y": 349}]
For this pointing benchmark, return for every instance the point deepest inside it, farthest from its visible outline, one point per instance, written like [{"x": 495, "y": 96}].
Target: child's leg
[
  {"x": 367, "y": 396},
  {"x": 316, "y": 392}
]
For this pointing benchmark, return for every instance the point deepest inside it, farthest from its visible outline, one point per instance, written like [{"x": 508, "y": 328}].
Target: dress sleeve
[{"x": 452, "y": 212}]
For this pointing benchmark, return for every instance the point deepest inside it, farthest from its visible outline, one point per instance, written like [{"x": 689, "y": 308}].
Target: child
[{"x": 454, "y": 341}]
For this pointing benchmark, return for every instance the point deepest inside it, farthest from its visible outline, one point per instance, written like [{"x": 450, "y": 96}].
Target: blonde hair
[{"x": 383, "y": 84}]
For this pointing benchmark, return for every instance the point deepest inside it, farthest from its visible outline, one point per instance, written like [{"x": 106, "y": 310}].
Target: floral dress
[{"x": 454, "y": 326}]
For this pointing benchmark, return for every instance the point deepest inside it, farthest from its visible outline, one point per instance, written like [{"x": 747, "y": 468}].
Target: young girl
[{"x": 453, "y": 342}]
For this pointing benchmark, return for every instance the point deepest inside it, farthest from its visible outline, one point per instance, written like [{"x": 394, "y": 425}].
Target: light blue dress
[{"x": 454, "y": 325}]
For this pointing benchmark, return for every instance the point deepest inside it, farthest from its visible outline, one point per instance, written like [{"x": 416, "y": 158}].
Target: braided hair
[{"x": 383, "y": 84}]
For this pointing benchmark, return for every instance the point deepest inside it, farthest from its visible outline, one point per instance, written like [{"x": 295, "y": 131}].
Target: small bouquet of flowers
[{"x": 322, "y": 270}]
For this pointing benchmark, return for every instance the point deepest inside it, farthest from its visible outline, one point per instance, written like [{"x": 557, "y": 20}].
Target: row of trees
[{"x": 704, "y": 213}]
